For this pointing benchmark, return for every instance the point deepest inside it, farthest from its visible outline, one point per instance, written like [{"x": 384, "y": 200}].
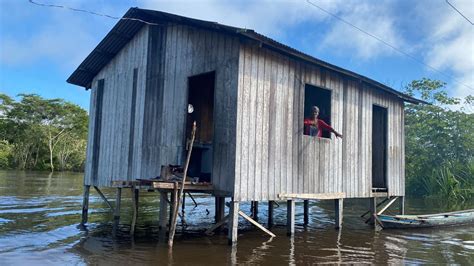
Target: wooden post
[
  {"x": 338, "y": 204},
  {"x": 270, "y": 213},
  {"x": 135, "y": 209},
  {"x": 306, "y": 212},
  {"x": 373, "y": 209},
  {"x": 402, "y": 205},
  {"x": 118, "y": 198},
  {"x": 85, "y": 204},
  {"x": 220, "y": 208},
  {"x": 163, "y": 216},
  {"x": 233, "y": 222},
  {"x": 254, "y": 205},
  {"x": 290, "y": 217}
]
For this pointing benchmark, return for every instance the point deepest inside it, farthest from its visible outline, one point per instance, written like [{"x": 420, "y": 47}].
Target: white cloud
[
  {"x": 57, "y": 36},
  {"x": 375, "y": 19},
  {"x": 271, "y": 18},
  {"x": 450, "y": 45}
]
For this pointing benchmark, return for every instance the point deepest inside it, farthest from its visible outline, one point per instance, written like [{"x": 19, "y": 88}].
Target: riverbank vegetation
[
  {"x": 42, "y": 134},
  {"x": 439, "y": 143}
]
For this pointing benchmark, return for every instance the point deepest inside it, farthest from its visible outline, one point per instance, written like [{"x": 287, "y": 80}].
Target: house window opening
[{"x": 317, "y": 112}]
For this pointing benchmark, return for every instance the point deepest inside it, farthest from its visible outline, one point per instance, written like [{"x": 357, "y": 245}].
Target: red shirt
[{"x": 321, "y": 125}]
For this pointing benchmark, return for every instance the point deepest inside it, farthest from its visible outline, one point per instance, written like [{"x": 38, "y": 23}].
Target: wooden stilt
[
  {"x": 163, "y": 215},
  {"x": 290, "y": 217},
  {"x": 135, "y": 209},
  {"x": 306, "y": 212},
  {"x": 85, "y": 204},
  {"x": 233, "y": 222},
  {"x": 338, "y": 206},
  {"x": 255, "y": 210},
  {"x": 271, "y": 205},
  {"x": 220, "y": 208},
  {"x": 172, "y": 199},
  {"x": 402, "y": 205},
  {"x": 373, "y": 209},
  {"x": 118, "y": 199}
]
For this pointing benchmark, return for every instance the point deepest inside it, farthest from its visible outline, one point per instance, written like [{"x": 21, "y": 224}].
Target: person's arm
[{"x": 327, "y": 127}]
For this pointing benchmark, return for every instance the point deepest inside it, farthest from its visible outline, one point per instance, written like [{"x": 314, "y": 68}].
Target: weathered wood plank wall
[
  {"x": 272, "y": 154},
  {"x": 190, "y": 51},
  {"x": 116, "y": 110},
  {"x": 163, "y": 58},
  {"x": 259, "y": 148}
]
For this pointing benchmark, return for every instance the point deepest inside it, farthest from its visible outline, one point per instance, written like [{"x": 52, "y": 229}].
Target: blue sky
[{"x": 41, "y": 46}]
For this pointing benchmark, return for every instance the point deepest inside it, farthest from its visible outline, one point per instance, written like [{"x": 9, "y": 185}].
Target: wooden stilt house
[{"x": 250, "y": 96}]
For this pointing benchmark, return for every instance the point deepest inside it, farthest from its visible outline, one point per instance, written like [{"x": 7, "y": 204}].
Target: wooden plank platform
[
  {"x": 164, "y": 185},
  {"x": 308, "y": 196}
]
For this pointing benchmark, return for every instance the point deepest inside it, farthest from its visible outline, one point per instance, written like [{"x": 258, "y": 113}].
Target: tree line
[
  {"x": 50, "y": 134},
  {"x": 42, "y": 134},
  {"x": 439, "y": 143}
]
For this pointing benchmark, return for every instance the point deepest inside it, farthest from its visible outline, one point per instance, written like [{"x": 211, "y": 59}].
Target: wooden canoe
[{"x": 429, "y": 220}]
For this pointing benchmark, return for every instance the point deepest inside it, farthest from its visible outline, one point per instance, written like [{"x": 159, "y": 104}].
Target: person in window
[{"x": 314, "y": 126}]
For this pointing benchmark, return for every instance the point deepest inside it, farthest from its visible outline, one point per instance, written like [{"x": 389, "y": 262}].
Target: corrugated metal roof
[{"x": 125, "y": 29}]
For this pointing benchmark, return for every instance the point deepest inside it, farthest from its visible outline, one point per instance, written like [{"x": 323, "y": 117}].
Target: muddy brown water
[{"x": 39, "y": 216}]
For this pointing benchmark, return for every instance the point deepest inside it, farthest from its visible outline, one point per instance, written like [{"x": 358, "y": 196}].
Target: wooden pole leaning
[{"x": 175, "y": 211}]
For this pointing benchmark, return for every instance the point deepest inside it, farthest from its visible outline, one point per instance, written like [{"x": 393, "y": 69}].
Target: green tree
[
  {"x": 439, "y": 141},
  {"x": 37, "y": 127}
]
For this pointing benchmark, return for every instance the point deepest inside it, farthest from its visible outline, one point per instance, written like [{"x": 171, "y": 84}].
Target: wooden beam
[
  {"x": 85, "y": 204},
  {"x": 308, "y": 196},
  {"x": 379, "y": 194},
  {"x": 378, "y": 204},
  {"x": 104, "y": 198},
  {"x": 388, "y": 205},
  {"x": 194, "y": 187},
  {"x": 252, "y": 221},
  {"x": 338, "y": 204},
  {"x": 290, "y": 217}
]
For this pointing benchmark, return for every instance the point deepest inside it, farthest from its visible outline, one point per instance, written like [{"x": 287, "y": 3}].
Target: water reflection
[{"x": 39, "y": 214}]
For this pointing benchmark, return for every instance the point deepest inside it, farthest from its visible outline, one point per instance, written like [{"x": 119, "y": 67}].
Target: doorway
[
  {"x": 201, "y": 98},
  {"x": 379, "y": 148}
]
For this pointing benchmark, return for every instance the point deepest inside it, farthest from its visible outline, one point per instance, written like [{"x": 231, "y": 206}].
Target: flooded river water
[{"x": 39, "y": 216}]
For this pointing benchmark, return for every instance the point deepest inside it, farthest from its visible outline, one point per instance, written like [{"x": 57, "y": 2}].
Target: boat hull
[{"x": 431, "y": 220}]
